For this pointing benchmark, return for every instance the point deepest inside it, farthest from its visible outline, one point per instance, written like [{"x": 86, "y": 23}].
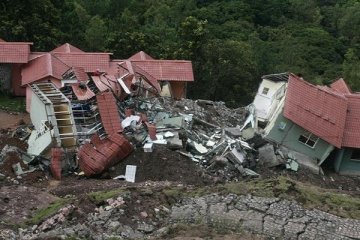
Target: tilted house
[{"x": 317, "y": 120}]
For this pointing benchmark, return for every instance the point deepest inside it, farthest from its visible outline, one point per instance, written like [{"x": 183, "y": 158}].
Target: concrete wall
[
  {"x": 17, "y": 89},
  {"x": 178, "y": 89},
  {"x": 344, "y": 164},
  {"x": 265, "y": 104},
  {"x": 5, "y": 77},
  {"x": 289, "y": 137}
]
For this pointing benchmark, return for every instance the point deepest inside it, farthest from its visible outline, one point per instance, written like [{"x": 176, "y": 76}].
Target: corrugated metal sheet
[{"x": 319, "y": 111}]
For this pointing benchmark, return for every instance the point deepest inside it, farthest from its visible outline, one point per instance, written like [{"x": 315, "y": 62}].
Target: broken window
[
  {"x": 308, "y": 139},
  {"x": 265, "y": 91},
  {"x": 355, "y": 155}
]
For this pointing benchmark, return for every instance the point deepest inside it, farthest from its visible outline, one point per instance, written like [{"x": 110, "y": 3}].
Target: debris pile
[{"x": 206, "y": 132}]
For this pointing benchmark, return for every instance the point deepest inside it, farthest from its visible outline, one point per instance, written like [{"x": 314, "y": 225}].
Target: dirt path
[{"x": 12, "y": 120}]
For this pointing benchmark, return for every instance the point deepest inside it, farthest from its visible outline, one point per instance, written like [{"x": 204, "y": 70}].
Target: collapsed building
[
  {"x": 90, "y": 111},
  {"x": 320, "y": 123}
]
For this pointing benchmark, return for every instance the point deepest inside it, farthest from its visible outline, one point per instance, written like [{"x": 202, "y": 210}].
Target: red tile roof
[
  {"x": 171, "y": 70},
  {"x": 352, "y": 124},
  {"x": 101, "y": 154},
  {"x": 141, "y": 56},
  {"x": 80, "y": 74},
  {"x": 82, "y": 94},
  {"x": 149, "y": 78},
  {"x": 105, "y": 82},
  {"x": 67, "y": 48},
  {"x": 89, "y": 61},
  {"x": 2, "y": 40},
  {"x": 43, "y": 66},
  {"x": 127, "y": 67},
  {"x": 109, "y": 112},
  {"x": 313, "y": 108},
  {"x": 340, "y": 86},
  {"x": 14, "y": 52}
]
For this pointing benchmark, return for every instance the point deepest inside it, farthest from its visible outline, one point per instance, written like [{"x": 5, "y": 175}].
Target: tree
[
  {"x": 351, "y": 68},
  {"x": 96, "y": 34}
]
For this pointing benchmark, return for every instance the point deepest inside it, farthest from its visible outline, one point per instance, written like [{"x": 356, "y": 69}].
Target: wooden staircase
[{"x": 59, "y": 113}]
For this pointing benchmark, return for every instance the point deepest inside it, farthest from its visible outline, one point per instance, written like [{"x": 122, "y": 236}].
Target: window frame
[
  {"x": 265, "y": 89},
  {"x": 309, "y": 137}
]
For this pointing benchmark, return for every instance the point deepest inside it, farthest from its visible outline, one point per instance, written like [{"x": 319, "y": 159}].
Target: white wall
[{"x": 265, "y": 104}]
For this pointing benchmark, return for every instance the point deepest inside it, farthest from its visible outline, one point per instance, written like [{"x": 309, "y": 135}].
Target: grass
[
  {"x": 101, "y": 196},
  {"x": 13, "y": 104},
  {"x": 48, "y": 211}
]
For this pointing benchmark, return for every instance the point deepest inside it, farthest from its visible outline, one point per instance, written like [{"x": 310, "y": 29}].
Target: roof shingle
[
  {"x": 14, "y": 52},
  {"x": 109, "y": 112},
  {"x": 43, "y": 66},
  {"x": 313, "y": 108},
  {"x": 170, "y": 70}
]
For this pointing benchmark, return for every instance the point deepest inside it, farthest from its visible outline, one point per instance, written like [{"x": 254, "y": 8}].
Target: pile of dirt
[
  {"x": 162, "y": 164},
  {"x": 12, "y": 141}
]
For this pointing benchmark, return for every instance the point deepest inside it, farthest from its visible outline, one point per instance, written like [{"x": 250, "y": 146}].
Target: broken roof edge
[
  {"x": 16, "y": 43},
  {"x": 319, "y": 87},
  {"x": 341, "y": 86},
  {"x": 276, "y": 77},
  {"x": 162, "y": 60}
]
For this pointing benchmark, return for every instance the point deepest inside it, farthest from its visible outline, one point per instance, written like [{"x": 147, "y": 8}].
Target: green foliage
[
  {"x": 101, "y": 196},
  {"x": 48, "y": 211},
  {"x": 351, "y": 68},
  {"x": 230, "y": 42},
  {"x": 12, "y": 104}
]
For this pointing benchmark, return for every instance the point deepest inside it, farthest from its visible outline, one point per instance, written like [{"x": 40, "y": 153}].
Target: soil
[
  {"x": 157, "y": 170},
  {"x": 162, "y": 164}
]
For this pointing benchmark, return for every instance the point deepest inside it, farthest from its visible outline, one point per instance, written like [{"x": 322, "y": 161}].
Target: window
[
  {"x": 308, "y": 139},
  {"x": 265, "y": 90},
  {"x": 355, "y": 155}
]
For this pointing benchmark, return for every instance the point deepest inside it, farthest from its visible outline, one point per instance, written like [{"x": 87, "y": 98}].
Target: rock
[
  {"x": 7, "y": 234},
  {"x": 233, "y": 132},
  {"x": 2, "y": 177},
  {"x": 145, "y": 228},
  {"x": 144, "y": 214},
  {"x": 248, "y": 133},
  {"x": 267, "y": 156},
  {"x": 113, "y": 225}
]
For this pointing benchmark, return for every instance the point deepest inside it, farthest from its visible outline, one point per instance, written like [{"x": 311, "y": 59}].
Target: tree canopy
[{"x": 230, "y": 42}]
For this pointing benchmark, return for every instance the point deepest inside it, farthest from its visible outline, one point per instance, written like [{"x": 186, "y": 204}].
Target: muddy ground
[{"x": 21, "y": 197}]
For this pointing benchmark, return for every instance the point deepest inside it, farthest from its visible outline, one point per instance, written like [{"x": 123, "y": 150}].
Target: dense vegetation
[{"x": 231, "y": 42}]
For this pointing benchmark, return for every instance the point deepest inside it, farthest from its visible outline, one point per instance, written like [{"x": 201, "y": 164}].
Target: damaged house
[
  {"x": 319, "y": 122},
  {"x": 78, "y": 100}
]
